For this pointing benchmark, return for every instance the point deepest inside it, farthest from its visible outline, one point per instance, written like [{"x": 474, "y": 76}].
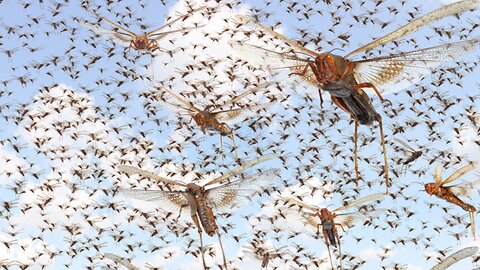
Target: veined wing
[
  {"x": 465, "y": 189},
  {"x": 416, "y": 24},
  {"x": 131, "y": 169},
  {"x": 351, "y": 219},
  {"x": 455, "y": 257},
  {"x": 226, "y": 196},
  {"x": 347, "y": 220},
  {"x": 249, "y": 92},
  {"x": 157, "y": 36},
  {"x": 372, "y": 197},
  {"x": 123, "y": 38},
  {"x": 242, "y": 168},
  {"x": 184, "y": 102},
  {"x": 268, "y": 59},
  {"x": 120, "y": 260},
  {"x": 438, "y": 175},
  {"x": 395, "y": 72},
  {"x": 182, "y": 17},
  {"x": 240, "y": 113},
  {"x": 116, "y": 26},
  {"x": 407, "y": 147},
  {"x": 171, "y": 201},
  {"x": 288, "y": 41},
  {"x": 459, "y": 173},
  {"x": 301, "y": 204}
]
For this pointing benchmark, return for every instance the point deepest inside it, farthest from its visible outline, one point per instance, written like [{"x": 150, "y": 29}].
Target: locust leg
[
  {"x": 325, "y": 236},
  {"x": 355, "y": 156},
  {"x": 472, "y": 223},
  {"x": 221, "y": 147},
  {"x": 339, "y": 251},
  {"x": 234, "y": 145},
  {"x": 199, "y": 229},
  {"x": 223, "y": 252},
  {"x": 379, "y": 119},
  {"x": 317, "y": 76},
  {"x": 369, "y": 85},
  {"x": 153, "y": 68}
]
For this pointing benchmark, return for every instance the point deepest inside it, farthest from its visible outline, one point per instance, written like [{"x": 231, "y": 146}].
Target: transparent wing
[
  {"x": 301, "y": 204},
  {"x": 346, "y": 220},
  {"x": 396, "y": 72},
  {"x": 459, "y": 173},
  {"x": 120, "y": 260},
  {"x": 123, "y": 38},
  {"x": 131, "y": 169},
  {"x": 245, "y": 188},
  {"x": 455, "y": 257},
  {"x": 249, "y": 92},
  {"x": 407, "y": 147},
  {"x": 168, "y": 24},
  {"x": 288, "y": 41},
  {"x": 116, "y": 26},
  {"x": 268, "y": 59},
  {"x": 349, "y": 220},
  {"x": 416, "y": 24},
  {"x": 438, "y": 175},
  {"x": 465, "y": 189},
  {"x": 241, "y": 113},
  {"x": 242, "y": 168},
  {"x": 169, "y": 200},
  {"x": 360, "y": 201},
  {"x": 157, "y": 36},
  {"x": 182, "y": 101}
]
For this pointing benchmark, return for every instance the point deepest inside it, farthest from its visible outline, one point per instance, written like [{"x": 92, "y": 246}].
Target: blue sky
[{"x": 105, "y": 123}]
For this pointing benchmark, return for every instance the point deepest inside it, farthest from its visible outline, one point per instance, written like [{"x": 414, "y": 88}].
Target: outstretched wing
[
  {"x": 459, "y": 173},
  {"x": 182, "y": 101},
  {"x": 360, "y": 201},
  {"x": 240, "y": 113},
  {"x": 288, "y": 41},
  {"x": 396, "y": 72},
  {"x": 455, "y": 257},
  {"x": 158, "y": 33},
  {"x": 124, "y": 38},
  {"x": 416, "y": 24},
  {"x": 228, "y": 195},
  {"x": 241, "y": 168},
  {"x": 171, "y": 201},
  {"x": 120, "y": 260},
  {"x": 246, "y": 93},
  {"x": 268, "y": 59},
  {"x": 407, "y": 147},
  {"x": 131, "y": 169},
  {"x": 301, "y": 204}
]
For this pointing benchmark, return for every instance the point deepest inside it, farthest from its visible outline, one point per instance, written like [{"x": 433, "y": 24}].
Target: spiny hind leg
[
  {"x": 472, "y": 223},
  {"x": 221, "y": 247},
  {"x": 369, "y": 85},
  {"x": 385, "y": 161},
  {"x": 355, "y": 156},
  {"x": 199, "y": 229},
  {"x": 234, "y": 145},
  {"x": 221, "y": 147}
]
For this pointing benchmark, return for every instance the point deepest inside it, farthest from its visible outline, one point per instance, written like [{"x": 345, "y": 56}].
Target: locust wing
[
  {"x": 396, "y": 72},
  {"x": 232, "y": 194}
]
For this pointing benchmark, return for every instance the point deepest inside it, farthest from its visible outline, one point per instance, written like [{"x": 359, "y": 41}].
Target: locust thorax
[
  {"x": 325, "y": 214},
  {"x": 203, "y": 118},
  {"x": 195, "y": 189},
  {"x": 430, "y": 188}
]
